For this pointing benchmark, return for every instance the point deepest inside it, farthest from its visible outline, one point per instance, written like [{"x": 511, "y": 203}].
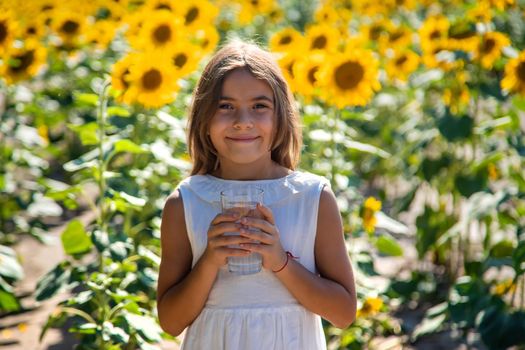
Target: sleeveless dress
[{"x": 252, "y": 312}]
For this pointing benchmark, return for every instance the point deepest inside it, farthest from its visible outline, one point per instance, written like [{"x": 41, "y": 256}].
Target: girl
[{"x": 244, "y": 132}]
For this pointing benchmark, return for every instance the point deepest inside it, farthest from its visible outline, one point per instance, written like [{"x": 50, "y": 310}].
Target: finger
[
  {"x": 266, "y": 212},
  {"x": 222, "y": 228},
  {"x": 254, "y": 247},
  {"x": 260, "y": 224},
  {"x": 225, "y": 217},
  {"x": 227, "y": 252},
  {"x": 230, "y": 240},
  {"x": 257, "y": 235}
]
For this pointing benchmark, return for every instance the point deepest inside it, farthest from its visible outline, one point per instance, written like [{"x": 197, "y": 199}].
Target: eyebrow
[{"x": 257, "y": 98}]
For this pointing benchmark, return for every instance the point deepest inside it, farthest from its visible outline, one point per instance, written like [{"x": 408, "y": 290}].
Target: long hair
[{"x": 287, "y": 141}]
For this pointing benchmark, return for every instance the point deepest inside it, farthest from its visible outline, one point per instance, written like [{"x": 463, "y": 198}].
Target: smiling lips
[{"x": 242, "y": 138}]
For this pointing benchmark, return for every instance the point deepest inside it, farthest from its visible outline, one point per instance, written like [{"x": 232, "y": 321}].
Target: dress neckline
[{"x": 261, "y": 181}]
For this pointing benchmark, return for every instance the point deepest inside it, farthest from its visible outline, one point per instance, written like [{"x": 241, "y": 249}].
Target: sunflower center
[
  {"x": 162, "y": 33},
  {"x": 520, "y": 71},
  {"x": 285, "y": 40},
  {"x": 254, "y": 2},
  {"x": 311, "y": 75},
  {"x": 23, "y": 61},
  {"x": 436, "y": 34},
  {"x": 375, "y": 32},
  {"x": 123, "y": 80},
  {"x": 3, "y": 31},
  {"x": 152, "y": 79},
  {"x": 191, "y": 15},
  {"x": 488, "y": 45},
  {"x": 319, "y": 42},
  {"x": 180, "y": 60},
  {"x": 401, "y": 60},
  {"x": 30, "y": 31},
  {"x": 69, "y": 27},
  {"x": 348, "y": 75},
  {"x": 163, "y": 6},
  {"x": 398, "y": 34}
]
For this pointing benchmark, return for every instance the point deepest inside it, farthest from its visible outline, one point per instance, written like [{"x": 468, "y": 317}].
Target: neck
[{"x": 265, "y": 171}]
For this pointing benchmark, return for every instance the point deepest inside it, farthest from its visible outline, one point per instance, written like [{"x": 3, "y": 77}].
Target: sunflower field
[{"x": 415, "y": 111}]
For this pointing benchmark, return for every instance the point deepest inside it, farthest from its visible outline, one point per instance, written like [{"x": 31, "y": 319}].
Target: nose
[{"x": 243, "y": 119}]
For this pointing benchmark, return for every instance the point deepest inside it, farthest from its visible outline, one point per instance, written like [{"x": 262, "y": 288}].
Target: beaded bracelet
[{"x": 288, "y": 256}]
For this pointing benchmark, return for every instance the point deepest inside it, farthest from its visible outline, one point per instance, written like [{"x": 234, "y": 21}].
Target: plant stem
[{"x": 101, "y": 120}]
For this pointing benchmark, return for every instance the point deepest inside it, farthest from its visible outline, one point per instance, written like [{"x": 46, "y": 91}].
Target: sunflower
[
  {"x": 337, "y": 17},
  {"x": 457, "y": 94},
  {"x": 252, "y": 8},
  {"x": 322, "y": 37},
  {"x": 197, "y": 14},
  {"x": 397, "y": 37},
  {"x": 305, "y": 72},
  {"x": 152, "y": 81},
  {"x": 286, "y": 39},
  {"x": 161, "y": 30},
  {"x": 101, "y": 33},
  {"x": 206, "y": 39},
  {"x": 287, "y": 61},
  {"x": 376, "y": 30},
  {"x": 32, "y": 28},
  {"x": 489, "y": 49},
  {"x": 370, "y": 307},
  {"x": 433, "y": 32},
  {"x": 480, "y": 13},
  {"x": 370, "y": 207},
  {"x": 120, "y": 72},
  {"x": 462, "y": 36},
  {"x": 155, "y": 5},
  {"x": 7, "y": 31},
  {"x": 501, "y": 4},
  {"x": 184, "y": 57},
  {"x": 402, "y": 65},
  {"x": 70, "y": 27},
  {"x": 514, "y": 78},
  {"x": 350, "y": 78},
  {"x": 395, "y": 5},
  {"x": 21, "y": 63}
]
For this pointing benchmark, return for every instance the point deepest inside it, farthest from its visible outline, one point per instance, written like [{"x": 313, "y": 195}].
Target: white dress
[{"x": 251, "y": 312}]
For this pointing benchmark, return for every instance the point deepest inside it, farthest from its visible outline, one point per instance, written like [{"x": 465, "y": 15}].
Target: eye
[
  {"x": 260, "y": 106},
  {"x": 225, "y": 106}
]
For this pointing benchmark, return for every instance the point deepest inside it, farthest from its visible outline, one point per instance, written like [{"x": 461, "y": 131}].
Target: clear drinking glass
[{"x": 243, "y": 201}]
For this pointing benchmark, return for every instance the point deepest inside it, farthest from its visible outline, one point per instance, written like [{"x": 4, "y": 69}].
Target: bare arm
[
  {"x": 182, "y": 291},
  {"x": 330, "y": 295}
]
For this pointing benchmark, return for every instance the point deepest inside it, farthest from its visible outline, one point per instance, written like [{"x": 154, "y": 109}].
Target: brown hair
[{"x": 287, "y": 141}]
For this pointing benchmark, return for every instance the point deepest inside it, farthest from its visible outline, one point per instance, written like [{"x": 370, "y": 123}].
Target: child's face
[{"x": 243, "y": 125}]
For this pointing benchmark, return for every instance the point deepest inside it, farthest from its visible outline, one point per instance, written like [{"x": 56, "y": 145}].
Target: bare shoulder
[{"x": 328, "y": 208}]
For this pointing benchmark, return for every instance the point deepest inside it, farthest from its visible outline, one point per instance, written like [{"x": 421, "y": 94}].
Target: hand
[
  {"x": 219, "y": 246},
  {"x": 267, "y": 234}
]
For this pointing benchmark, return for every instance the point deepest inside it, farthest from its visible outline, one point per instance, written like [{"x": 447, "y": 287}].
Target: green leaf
[
  {"x": 519, "y": 102},
  {"x": 518, "y": 258},
  {"x": 75, "y": 240},
  {"x": 88, "y": 133},
  {"x": 455, "y": 128},
  {"x": 53, "y": 282},
  {"x": 428, "y": 326},
  {"x": 9, "y": 265},
  {"x": 146, "y": 326},
  {"x": 118, "y": 112},
  {"x": 8, "y": 302},
  {"x": 388, "y": 246},
  {"x": 89, "y": 100},
  {"x": 502, "y": 249},
  {"x": 115, "y": 333},
  {"x": 127, "y": 146},
  {"x": 135, "y": 201}
]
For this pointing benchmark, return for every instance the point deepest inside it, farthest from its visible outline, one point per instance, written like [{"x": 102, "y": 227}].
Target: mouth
[{"x": 242, "y": 138}]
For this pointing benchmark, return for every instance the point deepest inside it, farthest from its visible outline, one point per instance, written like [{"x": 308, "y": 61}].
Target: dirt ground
[{"x": 21, "y": 331}]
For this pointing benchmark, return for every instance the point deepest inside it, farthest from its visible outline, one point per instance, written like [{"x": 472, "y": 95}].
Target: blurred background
[{"x": 414, "y": 110}]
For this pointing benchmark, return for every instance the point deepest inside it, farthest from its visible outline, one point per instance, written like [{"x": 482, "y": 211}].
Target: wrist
[{"x": 289, "y": 256}]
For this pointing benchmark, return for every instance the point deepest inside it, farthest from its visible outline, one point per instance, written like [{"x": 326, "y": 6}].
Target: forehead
[{"x": 240, "y": 83}]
